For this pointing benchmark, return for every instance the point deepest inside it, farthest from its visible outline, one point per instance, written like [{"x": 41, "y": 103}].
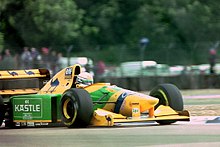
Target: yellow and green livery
[{"x": 60, "y": 101}]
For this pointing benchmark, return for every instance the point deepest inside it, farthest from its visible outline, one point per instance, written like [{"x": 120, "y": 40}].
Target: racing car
[{"x": 71, "y": 98}]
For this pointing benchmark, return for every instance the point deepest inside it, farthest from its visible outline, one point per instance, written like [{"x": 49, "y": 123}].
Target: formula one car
[{"x": 61, "y": 99}]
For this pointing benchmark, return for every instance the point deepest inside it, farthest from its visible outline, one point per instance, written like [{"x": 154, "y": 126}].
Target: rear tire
[
  {"x": 2, "y": 110},
  {"x": 168, "y": 95},
  {"x": 76, "y": 108},
  {"x": 9, "y": 116}
]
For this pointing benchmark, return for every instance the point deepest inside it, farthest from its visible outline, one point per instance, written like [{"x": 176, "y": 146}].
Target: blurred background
[{"x": 135, "y": 44}]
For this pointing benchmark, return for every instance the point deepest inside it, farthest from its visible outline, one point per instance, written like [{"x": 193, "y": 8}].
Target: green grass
[{"x": 203, "y": 101}]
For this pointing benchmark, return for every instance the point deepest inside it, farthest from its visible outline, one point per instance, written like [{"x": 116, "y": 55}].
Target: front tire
[
  {"x": 76, "y": 108},
  {"x": 168, "y": 95}
]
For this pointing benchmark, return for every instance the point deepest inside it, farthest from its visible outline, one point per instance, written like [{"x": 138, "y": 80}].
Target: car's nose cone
[{"x": 145, "y": 102}]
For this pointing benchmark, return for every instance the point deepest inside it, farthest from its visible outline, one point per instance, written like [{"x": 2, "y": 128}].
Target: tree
[
  {"x": 3, "y": 7},
  {"x": 186, "y": 29},
  {"x": 177, "y": 28},
  {"x": 48, "y": 22}
]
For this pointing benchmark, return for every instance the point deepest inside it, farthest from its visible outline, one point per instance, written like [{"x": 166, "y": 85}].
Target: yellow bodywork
[
  {"x": 63, "y": 80},
  {"x": 19, "y": 74},
  {"x": 144, "y": 102},
  {"x": 102, "y": 117},
  {"x": 136, "y": 107},
  {"x": 137, "y": 103},
  {"x": 13, "y": 77}
]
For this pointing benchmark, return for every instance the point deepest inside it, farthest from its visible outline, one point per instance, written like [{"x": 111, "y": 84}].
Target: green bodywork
[
  {"x": 102, "y": 96},
  {"x": 35, "y": 107},
  {"x": 46, "y": 107}
]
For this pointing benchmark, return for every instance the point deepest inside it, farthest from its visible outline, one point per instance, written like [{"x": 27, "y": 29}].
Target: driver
[{"x": 84, "y": 79}]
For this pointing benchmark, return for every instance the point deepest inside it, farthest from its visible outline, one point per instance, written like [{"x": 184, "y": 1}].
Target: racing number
[{"x": 68, "y": 73}]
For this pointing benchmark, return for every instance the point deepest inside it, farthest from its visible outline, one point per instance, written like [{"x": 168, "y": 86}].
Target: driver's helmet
[{"x": 84, "y": 79}]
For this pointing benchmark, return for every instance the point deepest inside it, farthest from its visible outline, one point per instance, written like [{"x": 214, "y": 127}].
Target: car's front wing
[{"x": 163, "y": 113}]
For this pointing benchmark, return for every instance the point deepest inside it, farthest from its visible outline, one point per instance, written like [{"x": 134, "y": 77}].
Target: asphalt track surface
[
  {"x": 200, "y": 131},
  {"x": 194, "y": 133}
]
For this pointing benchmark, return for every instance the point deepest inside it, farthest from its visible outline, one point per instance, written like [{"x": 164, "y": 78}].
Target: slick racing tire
[
  {"x": 168, "y": 95},
  {"x": 76, "y": 108},
  {"x": 2, "y": 110}
]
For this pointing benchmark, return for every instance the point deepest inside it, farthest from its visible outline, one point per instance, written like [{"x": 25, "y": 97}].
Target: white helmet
[{"x": 84, "y": 79}]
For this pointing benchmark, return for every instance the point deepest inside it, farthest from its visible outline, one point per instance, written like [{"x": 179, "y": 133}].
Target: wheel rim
[
  {"x": 65, "y": 108},
  {"x": 164, "y": 98},
  {"x": 69, "y": 111}
]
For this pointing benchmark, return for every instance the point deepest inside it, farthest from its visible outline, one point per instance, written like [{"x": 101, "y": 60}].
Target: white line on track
[{"x": 200, "y": 120}]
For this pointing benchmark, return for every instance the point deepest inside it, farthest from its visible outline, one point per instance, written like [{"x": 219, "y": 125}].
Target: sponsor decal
[
  {"x": 27, "y": 109},
  {"x": 135, "y": 110}
]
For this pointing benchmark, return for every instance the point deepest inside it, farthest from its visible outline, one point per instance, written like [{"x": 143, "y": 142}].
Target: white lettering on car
[
  {"x": 16, "y": 107},
  {"x": 27, "y": 108}
]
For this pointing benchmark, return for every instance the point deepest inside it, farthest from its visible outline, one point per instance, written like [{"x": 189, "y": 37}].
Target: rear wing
[{"x": 13, "y": 82}]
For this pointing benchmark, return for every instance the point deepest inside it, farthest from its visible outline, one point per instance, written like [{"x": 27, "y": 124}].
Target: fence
[{"x": 181, "y": 81}]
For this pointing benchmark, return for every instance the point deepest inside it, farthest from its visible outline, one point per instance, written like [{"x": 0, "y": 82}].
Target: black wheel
[
  {"x": 76, "y": 108},
  {"x": 2, "y": 110},
  {"x": 168, "y": 95},
  {"x": 9, "y": 116}
]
